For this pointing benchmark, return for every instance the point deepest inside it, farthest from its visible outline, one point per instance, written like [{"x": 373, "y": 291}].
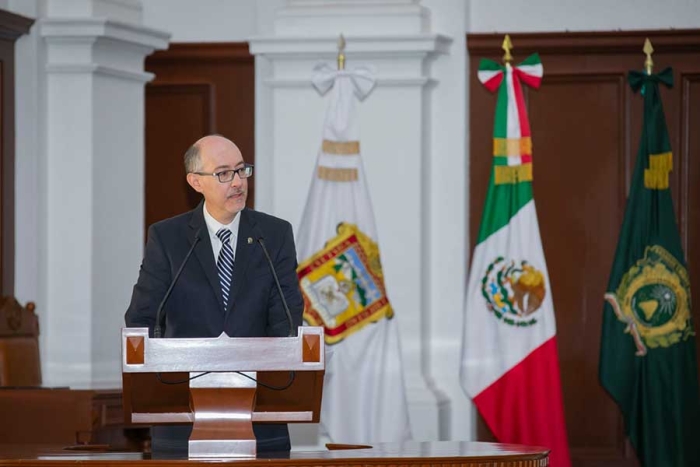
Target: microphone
[
  {"x": 292, "y": 331},
  {"x": 160, "y": 321}
]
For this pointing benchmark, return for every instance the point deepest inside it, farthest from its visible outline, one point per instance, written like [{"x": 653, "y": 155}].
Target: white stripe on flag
[
  {"x": 513, "y": 123},
  {"x": 492, "y": 347}
]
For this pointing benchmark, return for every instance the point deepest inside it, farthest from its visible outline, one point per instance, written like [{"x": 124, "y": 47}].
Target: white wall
[
  {"x": 203, "y": 20},
  {"x": 448, "y": 222},
  {"x": 581, "y": 15}
]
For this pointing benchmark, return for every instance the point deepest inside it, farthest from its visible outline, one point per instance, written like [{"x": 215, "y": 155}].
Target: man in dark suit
[{"x": 226, "y": 286}]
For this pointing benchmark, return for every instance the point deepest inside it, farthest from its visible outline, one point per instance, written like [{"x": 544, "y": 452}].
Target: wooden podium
[{"x": 222, "y": 385}]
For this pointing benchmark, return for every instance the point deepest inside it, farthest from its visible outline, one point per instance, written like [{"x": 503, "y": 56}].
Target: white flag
[{"x": 364, "y": 399}]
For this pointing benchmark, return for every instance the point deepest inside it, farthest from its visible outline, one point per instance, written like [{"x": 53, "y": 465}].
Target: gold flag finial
[
  {"x": 648, "y": 50},
  {"x": 507, "y": 46},
  {"x": 341, "y": 52}
]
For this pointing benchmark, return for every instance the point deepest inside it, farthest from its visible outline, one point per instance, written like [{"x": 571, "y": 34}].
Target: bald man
[{"x": 226, "y": 286}]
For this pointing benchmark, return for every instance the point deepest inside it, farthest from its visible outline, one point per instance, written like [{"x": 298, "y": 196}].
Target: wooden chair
[
  {"x": 31, "y": 414},
  {"x": 19, "y": 344}
]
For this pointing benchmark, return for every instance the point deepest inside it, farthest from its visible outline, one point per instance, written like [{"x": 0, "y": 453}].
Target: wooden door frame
[{"x": 12, "y": 26}]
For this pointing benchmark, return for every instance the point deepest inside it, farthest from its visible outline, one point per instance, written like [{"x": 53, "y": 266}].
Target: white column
[
  {"x": 91, "y": 183},
  {"x": 447, "y": 220},
  {"x": 395, "y": 37}
]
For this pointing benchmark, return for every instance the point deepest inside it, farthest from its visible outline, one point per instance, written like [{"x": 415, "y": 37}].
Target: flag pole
[
  {"x": 648, "y": 50},
  {"x": 341, "y": 52}
]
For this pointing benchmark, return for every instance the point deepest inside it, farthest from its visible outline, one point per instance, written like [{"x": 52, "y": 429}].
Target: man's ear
[{"x": 194, "y": 182}]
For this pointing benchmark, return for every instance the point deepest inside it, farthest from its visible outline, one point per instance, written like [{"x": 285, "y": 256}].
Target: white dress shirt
[{"x": 214, "y": 226}]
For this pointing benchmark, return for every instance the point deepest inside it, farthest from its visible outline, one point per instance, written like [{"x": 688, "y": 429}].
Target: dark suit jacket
[{"x": 195, "y": 307}]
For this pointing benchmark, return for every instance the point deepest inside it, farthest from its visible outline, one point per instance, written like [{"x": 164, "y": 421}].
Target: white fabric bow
[{"x": 362, "y": 78}]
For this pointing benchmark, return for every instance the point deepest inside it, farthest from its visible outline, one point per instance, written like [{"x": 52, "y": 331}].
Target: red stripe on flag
[
  {"x": 526, "y": 158},
  {"x": 520, "y": 103},
  {"x": 525, "y": 406},
  {"x": 493, "y": 83}
]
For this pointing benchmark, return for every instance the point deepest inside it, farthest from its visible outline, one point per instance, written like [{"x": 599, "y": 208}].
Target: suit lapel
[
  {"x": 244, "y": 251},
  {"x": 204, "y": 252}
]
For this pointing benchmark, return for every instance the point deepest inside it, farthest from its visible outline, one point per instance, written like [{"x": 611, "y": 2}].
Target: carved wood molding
[
  {"x": 12, "y": 26},
  {"x": 203, "y": 51},
  {"x": 586, "y": 42}
]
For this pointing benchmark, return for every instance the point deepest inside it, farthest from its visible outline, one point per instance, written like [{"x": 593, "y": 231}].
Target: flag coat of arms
[
  {"x": 510, "y": 365},
  {"x": 341, "y": 279},
  {"x": 647, "y": 353}
]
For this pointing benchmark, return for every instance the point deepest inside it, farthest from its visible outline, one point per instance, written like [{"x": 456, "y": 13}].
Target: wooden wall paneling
[
  {"x": 586, "y": 125},
  {"x": 168, "y": 193},
  {"x": 198, "y": 89},
  {"x": 569, "y": 191},
  {"x": 7, "y": 185},
  {"x": 12, "y": 26}
]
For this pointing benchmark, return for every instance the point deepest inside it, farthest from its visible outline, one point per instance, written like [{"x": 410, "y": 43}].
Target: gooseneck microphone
[
  {"x": 292, "y": 331},
  {"x": 160, "y": 320}
]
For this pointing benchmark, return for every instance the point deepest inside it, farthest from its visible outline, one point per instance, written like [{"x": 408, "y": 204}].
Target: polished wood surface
[
  {"x": 586, "y": 125},
  {"x": 19, "y": 344},
  {"x": 66, "y": 416},
  {"x": 441, "y": 453},
  {"x": 207, "y": 401}
]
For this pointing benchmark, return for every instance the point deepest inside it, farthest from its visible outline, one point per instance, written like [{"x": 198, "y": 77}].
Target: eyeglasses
[{"x": 225, "y": 176}]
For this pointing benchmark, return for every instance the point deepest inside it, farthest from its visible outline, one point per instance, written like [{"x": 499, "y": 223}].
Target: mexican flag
[
  {"x": 647, "y": 353},
  {"x": 510, "y": 366}
]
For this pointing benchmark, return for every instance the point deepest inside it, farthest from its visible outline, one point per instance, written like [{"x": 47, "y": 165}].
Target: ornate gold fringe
[
  {"x": 505, "y": 174},
  {"x": 656, "y": 176},
  {"x": 512, "y": 146},
  {"x": 344, "y": 148},
  {"x": 337, "y": 175}
]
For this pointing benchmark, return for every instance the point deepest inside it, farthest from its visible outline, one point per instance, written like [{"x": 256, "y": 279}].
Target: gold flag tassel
[
  {"x": 656, "y": 176},
  {"x": 510, "y": 174}
]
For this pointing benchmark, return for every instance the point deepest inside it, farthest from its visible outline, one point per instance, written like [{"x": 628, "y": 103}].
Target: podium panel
[{"x": 222, "y": 385}]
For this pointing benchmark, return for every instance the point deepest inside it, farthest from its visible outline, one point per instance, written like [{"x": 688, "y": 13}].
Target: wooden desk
[
  {"x": 67, "y": 417},
  {"x": 414, "y": 454}
]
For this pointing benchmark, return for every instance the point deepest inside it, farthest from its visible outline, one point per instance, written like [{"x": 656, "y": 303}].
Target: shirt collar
[{"x": 214, "y": 226}]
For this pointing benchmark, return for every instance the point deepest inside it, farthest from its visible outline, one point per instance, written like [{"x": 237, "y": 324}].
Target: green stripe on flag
[
  {"x": 502, "y": 203},
  {"x": 500, "y": 126}
]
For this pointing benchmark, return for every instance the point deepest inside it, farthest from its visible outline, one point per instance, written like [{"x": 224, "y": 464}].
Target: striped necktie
[{"x": 224, "y": 263}]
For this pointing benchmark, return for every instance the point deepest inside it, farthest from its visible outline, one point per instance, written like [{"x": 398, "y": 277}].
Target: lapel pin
[{"x": 250, "y": 240}]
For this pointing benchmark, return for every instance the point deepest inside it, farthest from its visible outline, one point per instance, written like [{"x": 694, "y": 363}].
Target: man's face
[{"x": 224, "y": 200}]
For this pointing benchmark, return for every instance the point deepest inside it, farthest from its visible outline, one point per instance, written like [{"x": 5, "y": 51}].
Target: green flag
[{"x": 647, "y": 351}]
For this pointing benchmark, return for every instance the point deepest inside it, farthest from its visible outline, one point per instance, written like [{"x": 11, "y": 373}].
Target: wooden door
[
  {"x": 199, "y": 89},
  {"x": 586, "y": 124}
]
